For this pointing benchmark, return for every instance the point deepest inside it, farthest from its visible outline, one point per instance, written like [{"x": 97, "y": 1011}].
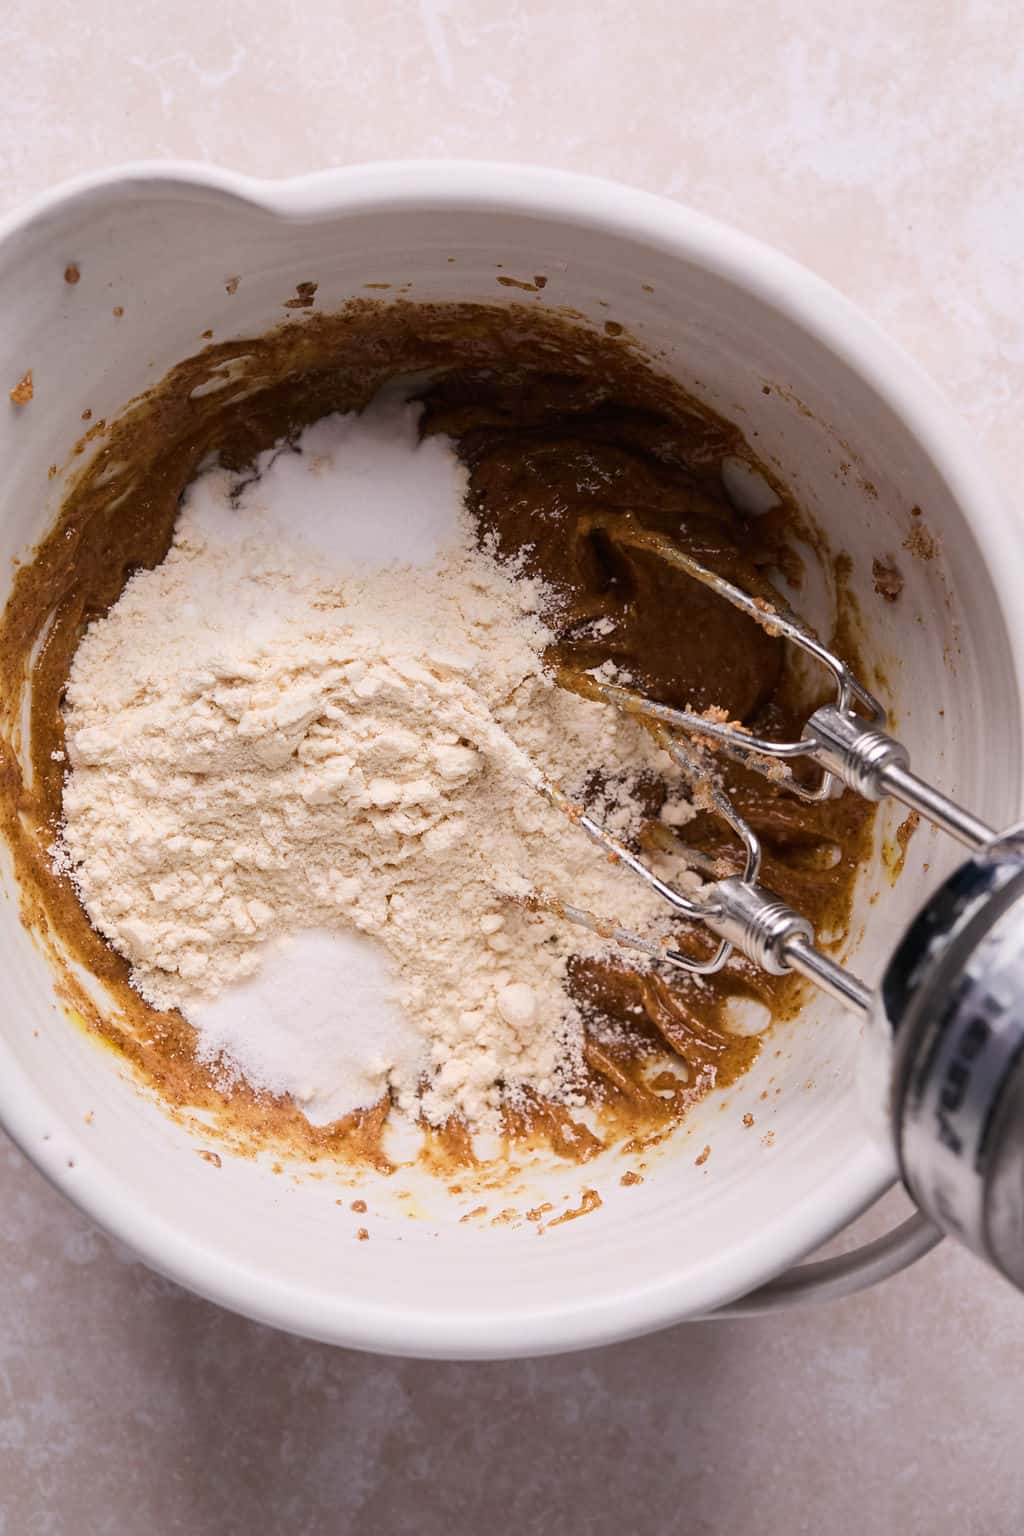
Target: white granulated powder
[
  {"x": 320, "y": 1020},
  {"x": 299, "y": 799},
  {"x": 408, "y": 493}
]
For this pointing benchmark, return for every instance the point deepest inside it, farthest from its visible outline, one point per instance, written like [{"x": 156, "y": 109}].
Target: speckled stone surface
[{"x": 883, "y": 145}]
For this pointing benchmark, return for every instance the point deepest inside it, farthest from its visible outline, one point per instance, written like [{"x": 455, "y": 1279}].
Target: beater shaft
[
  {"x": 778, "y": 939},
  {"x": 834, "y": 979},
  {"x": 876, "y": 765}
]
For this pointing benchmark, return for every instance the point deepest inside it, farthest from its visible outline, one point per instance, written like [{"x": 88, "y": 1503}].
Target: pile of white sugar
[{"x": 296, "y": 798}]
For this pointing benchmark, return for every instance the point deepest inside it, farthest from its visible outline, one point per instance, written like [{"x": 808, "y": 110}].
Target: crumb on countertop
[
  {"x": 304, "y": 296},
  {"x": 24, "y": 390}
]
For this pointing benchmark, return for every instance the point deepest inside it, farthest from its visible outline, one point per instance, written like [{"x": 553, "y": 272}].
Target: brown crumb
[
  {"x": 205, "y": 335},
  {"x": 89, "y": 1116},
  {"x": 919, "y": 541},
  {"x": 541, "y": 281},
  {"x": 506, "y": 1217},
  {"x": 304, "y": 295},
  {"x": 612, "y": 328},
  {"x": 362, "y": 1235},
  {"x": 478, "y": 1210},
  {"x": 72, "y": 272},
  {"x": 209, "y": 1157},
  {"x": 539, "y": 1211},
  {"x": 231, "y": 286},
  {"x": 87, "y": 414},
  {"x": 359, "y": 1206},
  {"x": 118, "y": 311},
  {"x": 51, "y": 473},
  {"x": 23, "y": 391},
  {"x": 904, "y": 832},
  {"x": 768, "y": 1139},
  {"x": 276, "y": 1168},
  {"x": 748, "y": 1120},
  {"x": 703, "y": 1157},
  {"x": 629, "y": 1178},
  {"x": 888, "y": 578},
  {"x": 590, "y": 1200}
]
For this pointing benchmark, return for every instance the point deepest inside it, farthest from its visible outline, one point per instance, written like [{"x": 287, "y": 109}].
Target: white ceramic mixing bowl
[{"x": 855, "y": 429}]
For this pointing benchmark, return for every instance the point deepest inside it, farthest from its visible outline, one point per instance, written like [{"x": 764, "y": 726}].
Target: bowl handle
[{"x": 829, "y": 1279}]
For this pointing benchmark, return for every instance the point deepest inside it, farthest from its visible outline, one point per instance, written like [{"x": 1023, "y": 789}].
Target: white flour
[{"x": 277, "y": 735}]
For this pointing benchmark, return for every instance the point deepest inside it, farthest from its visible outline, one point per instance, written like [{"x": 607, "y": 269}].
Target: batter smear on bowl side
[{"x": 308, "y": 651}]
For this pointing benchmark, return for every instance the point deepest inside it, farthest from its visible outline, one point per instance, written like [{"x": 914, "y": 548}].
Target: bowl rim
[{"x": 813, "y": 305}]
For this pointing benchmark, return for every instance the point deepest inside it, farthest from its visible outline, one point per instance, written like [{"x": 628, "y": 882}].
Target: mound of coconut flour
[{"x": 299, "y": 798}]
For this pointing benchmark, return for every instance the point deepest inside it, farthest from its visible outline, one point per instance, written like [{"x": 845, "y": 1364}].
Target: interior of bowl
[{"x": 177, "y": 258}]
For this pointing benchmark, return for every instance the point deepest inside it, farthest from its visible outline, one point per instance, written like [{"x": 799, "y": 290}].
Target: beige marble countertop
[{"x": 883, "y": 145}]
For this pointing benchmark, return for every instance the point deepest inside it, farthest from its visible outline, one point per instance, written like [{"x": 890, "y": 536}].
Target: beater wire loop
[{"x": 850, "y": 697}]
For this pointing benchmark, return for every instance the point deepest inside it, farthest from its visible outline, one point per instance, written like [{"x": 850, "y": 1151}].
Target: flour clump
[{"x": 314, "y": 724}]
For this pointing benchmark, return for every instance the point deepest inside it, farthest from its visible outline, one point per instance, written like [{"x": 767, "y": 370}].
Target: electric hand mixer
[{"x": 952, "y": 995}]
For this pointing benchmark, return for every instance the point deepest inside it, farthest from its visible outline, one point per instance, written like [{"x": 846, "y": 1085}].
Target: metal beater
[{"x": 951, "y": 998}]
